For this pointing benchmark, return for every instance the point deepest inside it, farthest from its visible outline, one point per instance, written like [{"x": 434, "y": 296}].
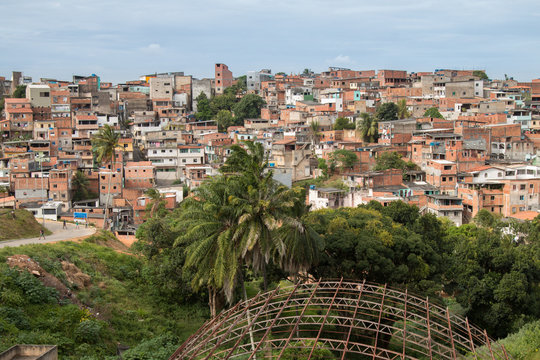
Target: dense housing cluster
[{"x": 452, "y": 142}]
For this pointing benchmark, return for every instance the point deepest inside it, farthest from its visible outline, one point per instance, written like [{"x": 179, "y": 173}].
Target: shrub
[{"x": 88, "y": 331}]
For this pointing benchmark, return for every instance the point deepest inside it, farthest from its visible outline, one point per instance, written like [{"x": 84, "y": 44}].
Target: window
[
  {"x": 444, "y": 178},
  {"x": 493, "y": 198},
  {"x": 521, "y": 197},
  {"x": 522, "y": 187},
  {"x": 531, "y": 186},
  {"x": 514, "y": 187}
]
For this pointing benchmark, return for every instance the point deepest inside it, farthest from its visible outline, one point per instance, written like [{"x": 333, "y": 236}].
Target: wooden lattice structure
[{"x": 357, "y": 320}]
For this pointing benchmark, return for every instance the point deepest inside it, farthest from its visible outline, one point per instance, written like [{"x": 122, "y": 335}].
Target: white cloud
[
  {"x": 340, "y": 60},
  {"x": 152, "y": 49}
]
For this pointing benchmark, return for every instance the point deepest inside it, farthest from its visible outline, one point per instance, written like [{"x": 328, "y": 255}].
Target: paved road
[{"x": 58, "y": 234}]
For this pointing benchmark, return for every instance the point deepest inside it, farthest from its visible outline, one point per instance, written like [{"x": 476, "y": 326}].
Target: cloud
[
  {"x": 152, "y": 49},
  {"x": 340, "y": 60}
]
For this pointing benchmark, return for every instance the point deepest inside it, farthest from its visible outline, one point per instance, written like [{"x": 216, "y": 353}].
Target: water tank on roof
[{"x": 312, "y": 187}]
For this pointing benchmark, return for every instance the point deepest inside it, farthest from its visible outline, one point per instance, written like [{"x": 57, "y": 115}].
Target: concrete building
[
  {"x": 39, "y": 95},
  {"x": 201, "y": 86},
  {"x": 323, "y": 198},
  {"x": 162, "y": 87},
  {"x": 35, "y": 352},
  {"x": 254, "y": 79},
  {"x": 447, "y": 206}
]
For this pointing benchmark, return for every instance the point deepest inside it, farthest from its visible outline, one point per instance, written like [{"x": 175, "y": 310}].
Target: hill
[
  {"x": 23, "y": 225},
  {"x": 91, "y": 299}
]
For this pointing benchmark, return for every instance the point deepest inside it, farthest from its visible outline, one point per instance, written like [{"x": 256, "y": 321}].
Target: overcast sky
[{"x": 123, "y": 39}]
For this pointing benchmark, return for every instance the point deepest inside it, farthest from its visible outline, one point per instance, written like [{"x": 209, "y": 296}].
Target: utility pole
[{"x": 40, "y": 158}]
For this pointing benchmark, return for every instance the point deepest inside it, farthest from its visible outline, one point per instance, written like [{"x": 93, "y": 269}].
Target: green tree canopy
[
  {"x": 362, "y": 243},
  {"x": 343, "y": 158},
  {"x": 81, "y": 183},
  {"x": 222, "y": 102},
  {"x": 249, "y": 107},
  {"x": 344, "y": 124},
  {"x": 392, "y": 160},
  {"x": 494, "y": 279},
  {"x": 433, "y": 113},
  {"x": 482, "y": 75},
  {"x": 204, "y": 112},
  {"x": 224, "y": 119},
  {"x": 387, "y": 112},
  {"x": 20, "y": 92}
]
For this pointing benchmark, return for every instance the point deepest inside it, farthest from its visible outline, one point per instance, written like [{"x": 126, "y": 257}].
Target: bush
[
  {"x": 17, "y": 317},
  {"x": 158, "y": 348},
  {"x": 88, "y": 331},
  {"x": 35, "y": 292}
]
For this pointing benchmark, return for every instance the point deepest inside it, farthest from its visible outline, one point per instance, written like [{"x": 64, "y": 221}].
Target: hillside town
[{"x": 452, "y": 142}]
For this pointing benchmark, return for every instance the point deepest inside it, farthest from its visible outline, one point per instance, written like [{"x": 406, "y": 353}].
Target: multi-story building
[
  {"x": 223, "y": 78},
  {"x": 500, "y": 189},
  {"x": 255, "y": 78},
  {"x": 20, "y": 116},
  {"x": 447, "y": 206}
]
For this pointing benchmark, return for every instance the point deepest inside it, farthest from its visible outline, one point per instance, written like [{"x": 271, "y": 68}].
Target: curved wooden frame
[{"x": 345, "y": 317}]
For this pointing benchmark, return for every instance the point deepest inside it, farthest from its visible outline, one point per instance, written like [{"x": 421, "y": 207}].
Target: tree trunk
[
  {"x": 265, "y": 277},
  {"x": 212, "y": 302},
  {"x": 248, "y": 316}
]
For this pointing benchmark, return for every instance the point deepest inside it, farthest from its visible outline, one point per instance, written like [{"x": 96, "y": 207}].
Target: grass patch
[{"x": 24, "y": 225}]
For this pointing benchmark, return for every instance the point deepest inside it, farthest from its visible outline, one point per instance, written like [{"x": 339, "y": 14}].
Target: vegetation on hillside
[
  {"x": 119, "y": 306},
  {"x": 19, "y": 225}
]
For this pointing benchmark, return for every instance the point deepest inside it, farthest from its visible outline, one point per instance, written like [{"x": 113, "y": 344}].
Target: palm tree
[
  {"x": 302, "y": 244},
  {"x": 369, "y": 127},
  {"x": 80, "y": 183},
  {"x": 264, "y": 207},
  {"x": 263, "y": 210},
  {"x": 243, "y": 217},
  {"x": 157, "y": 202},
  {"x": 403, "y": 112},
  {"x": 249, "y": 161},
  {"x": 209, "y": 221},
  {"x": 315, "y": 133},
  {"x": 104, "y": 143}
]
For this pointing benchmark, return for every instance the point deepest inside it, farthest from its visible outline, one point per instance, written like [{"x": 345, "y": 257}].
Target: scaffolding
[{"x": 348, "y": 319}]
